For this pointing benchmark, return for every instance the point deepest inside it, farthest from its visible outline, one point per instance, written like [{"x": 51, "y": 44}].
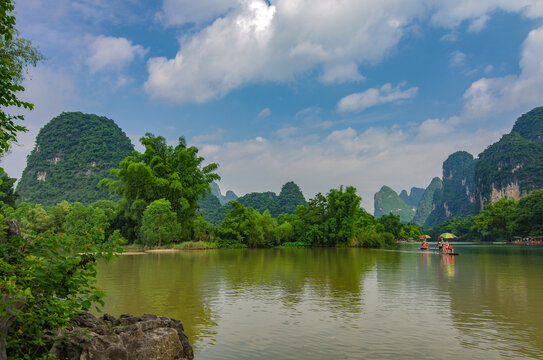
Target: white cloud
[
  {"x": 254, "y": 42},
  {"x": 217, "y": 135},
  {"x": 375, "y": 96},
  {"x": 341, "y": 74},
  {"x": 488, "y": 96},
  {"x": 264, "y": 113},
  {"x": 457, "y": 59},
  {"x": 112, "y": 53},
  {"x": 478, "y": 24},
  {"x": 453, "y": 13},
  {"x": 366, "y": 159}
]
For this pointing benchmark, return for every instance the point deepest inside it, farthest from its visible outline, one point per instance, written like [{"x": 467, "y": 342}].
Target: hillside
[
  {"x": 73, "y": 152},
  {"x": 513, "y": 166},
  {"x": 424, "y": 207},
  {"x": 388, "y": 201},
  {"x": 457, "y": 196},
  {"x": 414, "y": 196},
  {"x": 286, "y": 202},
  {"x": 223, "y": 199},
  {"x": 289, "y": 198}
]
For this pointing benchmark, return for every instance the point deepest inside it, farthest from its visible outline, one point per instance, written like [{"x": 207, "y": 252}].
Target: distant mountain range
[
  {"x": 510, "y": 168},
  {"x": 288, "y": 199}
]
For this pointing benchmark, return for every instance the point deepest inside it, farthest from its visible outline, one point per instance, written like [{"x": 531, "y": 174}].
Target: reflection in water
[{"x": 340, "y": 303}]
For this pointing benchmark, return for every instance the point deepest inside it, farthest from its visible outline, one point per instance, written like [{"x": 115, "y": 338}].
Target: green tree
[
  {"x": 8, "y": 195},
  {"x": 159, "y": 224},
  {"x": 58, "y": 214},
  {"x": 162, "y": 172},
  {"x": 16, "y": 55},
  {"x": 83, "y": 220},
  {"x": 529, "y": 215},
  {"x": 497, "y": 219},
  {"x": 341, "y": 214},
  {"x": 45, "y": 281}
]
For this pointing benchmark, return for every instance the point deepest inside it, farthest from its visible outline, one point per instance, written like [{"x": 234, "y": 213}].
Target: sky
[{"x": 320, "y": 92}]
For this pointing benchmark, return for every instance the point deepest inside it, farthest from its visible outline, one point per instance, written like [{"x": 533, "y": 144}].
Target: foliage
[
  {"x": 159, "y": 224},
  {"x": 8, "y": 195},
  {"x": 162, "y": 172},
  {"x": 73, "y": 152},
  {"x": 387, "y": 201},
  {"x": 529, "y": 215},
  {"x": 497, "y": 219},
  {"x": 530, "y": 125},
  {"x": 53, "y": 276},
  {"x": 246, "y": 226},
  {"x": 196, "y": 245},
  {"x": 16, "y": 55},
  {"x": 461, "y": 227}
]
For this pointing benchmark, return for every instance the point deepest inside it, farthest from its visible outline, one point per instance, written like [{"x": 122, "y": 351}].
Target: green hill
[
  {"x": 424, "y": 207},
  {"x": 387, "y": 201},
  {"x": 513, "y": 166},
  {"x": 286, "y": 202},
  {"x": 457, "y": 197},
  {"x": 414, "y": 196},
  {"x": 73, "y": 152}
]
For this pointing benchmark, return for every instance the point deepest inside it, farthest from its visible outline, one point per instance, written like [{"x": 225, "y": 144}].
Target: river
[{"x": 486, "y": 303}]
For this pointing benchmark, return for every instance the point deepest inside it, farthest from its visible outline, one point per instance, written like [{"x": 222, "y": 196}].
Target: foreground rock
[{"x": 127, "y": 338}]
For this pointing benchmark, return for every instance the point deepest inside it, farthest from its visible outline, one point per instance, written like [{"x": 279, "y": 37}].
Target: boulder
[{"x": 127, "y": 338}]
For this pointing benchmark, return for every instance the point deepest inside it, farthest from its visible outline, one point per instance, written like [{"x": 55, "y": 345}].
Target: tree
[
  {"x": 497, "y": 219},
  {"x": 8, "y": 194},
  {"x": 159, "y": 224},
  {"x": 46, "y": 280},
  {"x": 16, "y": 55},
  {"x": 529, "y": 216},
  {"x": 342, "y": 211},
  {"x": 162, "y": 172}
]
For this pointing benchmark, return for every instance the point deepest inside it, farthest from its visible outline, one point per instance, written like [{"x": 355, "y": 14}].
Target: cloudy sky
[{"x": 321, "y": 92}]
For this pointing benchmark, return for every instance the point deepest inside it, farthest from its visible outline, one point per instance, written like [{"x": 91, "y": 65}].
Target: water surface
[{"x": 486, "y": 303}]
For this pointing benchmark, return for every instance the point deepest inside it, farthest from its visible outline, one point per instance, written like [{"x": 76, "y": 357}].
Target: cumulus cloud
[
  {"x": 108, "y": 52},
  {"x": 375, "y": 96},
  {"x": 494, "y": 95},
  {"x": 252, "y": 41},
  {"x": 341, "y": 74},
  {"x": 365, "y": 159},
  {"x": 257, "y": 42}
]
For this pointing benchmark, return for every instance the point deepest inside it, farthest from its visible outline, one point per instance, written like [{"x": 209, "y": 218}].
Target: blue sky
[{"x": 321, "y": 92}]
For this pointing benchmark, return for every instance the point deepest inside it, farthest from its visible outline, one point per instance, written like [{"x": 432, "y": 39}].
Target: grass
[{"x": 195, "y": 245}]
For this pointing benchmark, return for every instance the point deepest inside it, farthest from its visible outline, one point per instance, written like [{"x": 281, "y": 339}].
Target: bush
[{"x": 52, "y": 277}]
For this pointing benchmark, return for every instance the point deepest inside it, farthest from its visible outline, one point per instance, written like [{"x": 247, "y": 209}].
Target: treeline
[
  {"x": 160, "y": 189},
  {"x": 499, "y": 221}
]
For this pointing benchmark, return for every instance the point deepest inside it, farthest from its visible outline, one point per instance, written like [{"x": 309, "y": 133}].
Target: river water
[{"x": 486, "y": 303}]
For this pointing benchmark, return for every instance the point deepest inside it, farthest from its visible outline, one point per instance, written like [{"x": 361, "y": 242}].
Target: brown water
[{"x": 486, "y": 303}]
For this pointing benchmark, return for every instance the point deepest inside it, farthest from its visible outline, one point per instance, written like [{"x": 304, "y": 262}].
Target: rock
[
  {"x": 128, "y": 338},
  {"x": 12, "y": 228}
]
